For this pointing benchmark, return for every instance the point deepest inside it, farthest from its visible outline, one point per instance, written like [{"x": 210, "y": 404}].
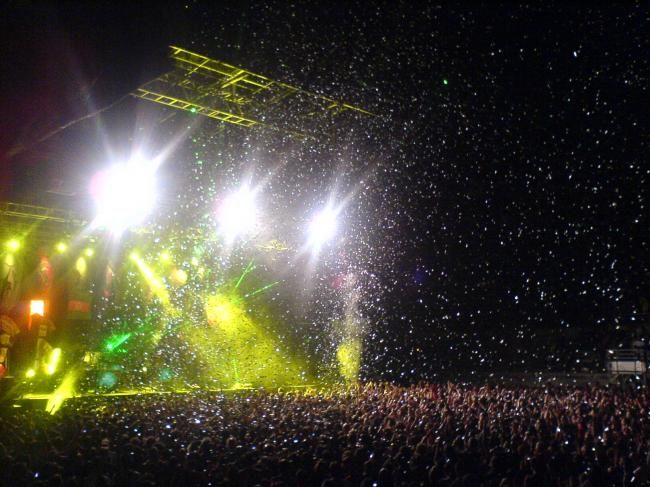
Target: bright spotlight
[
  {"x": 323, "y": 227},
  {"x": 61, "y": 247},
  {"x": 54, "y": 361},
  {"x": 237, "y": 214},
  {"x": 124, "y": 194},
  {"x": 13, "y": 244},
  {"x": 81, "y": 266},
  {"x": 37, "y": 307}
]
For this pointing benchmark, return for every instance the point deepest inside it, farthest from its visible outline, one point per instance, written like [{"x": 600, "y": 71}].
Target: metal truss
[
  {"x": 37, "y": 213},
  {"x": 40, "y": 223},
  {"x": 227, "y": 93}
]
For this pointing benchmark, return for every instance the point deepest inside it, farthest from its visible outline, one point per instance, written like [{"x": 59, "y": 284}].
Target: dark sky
[{"x": 514, "y": 190}]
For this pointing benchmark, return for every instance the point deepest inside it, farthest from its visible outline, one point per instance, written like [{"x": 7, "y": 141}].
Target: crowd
[{"x": 369, "y": 435}]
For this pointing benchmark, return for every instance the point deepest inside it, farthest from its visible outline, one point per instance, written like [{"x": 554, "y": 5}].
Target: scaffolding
[{"x": 205, "y": 86}]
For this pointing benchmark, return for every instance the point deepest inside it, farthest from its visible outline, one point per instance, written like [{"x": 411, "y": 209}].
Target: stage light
[
  {"x": 89, "y": 252},
  {"x": 64, "y": 391},
  {"x": 166, "y": 374},
  {"x": 54, "y": 361},
  {"x": 179, "y": 276},
  {"x": 165, "y": 256},
  {"x": 13, "y": 244},
  {"x": 323, "y": 227},
  {"x": 124, "y": 194},
  {"x": 37, "y": 307},
  {"x": 237, "y": 214},
  {"x": 107, "y": 380},
  {"x": 30, "y": 373},
  {"x": 115, "y": 341},
  {"x": 81, "y": 266},
  {"x": 61, "y": 247},
  {"x": 223, "y": 311},
  {"x": 154, "y": 282}
]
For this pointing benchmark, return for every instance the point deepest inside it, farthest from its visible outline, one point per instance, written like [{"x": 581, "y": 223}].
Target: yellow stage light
[
  {"x": 65, "y": 390},
  {"x": 179, "y": 276},
  {"x": 81, "y": 266},
  {"x": 89, "y": 252},
  {"x": 156, "y": 285},
  {"x": 30, "y": 373},
  {"x": 61, "y": 247},
  {"x": 54, "y": 361},
  {"x": 13, "y": 244}
]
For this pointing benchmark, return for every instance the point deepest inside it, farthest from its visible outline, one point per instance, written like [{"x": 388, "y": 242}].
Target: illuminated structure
[
  {"x": 227, "y": 93},
  {"x": 180, "y": 310},
  {"x": 41, "y": 223},
  {"x": 37, "y": 213}
]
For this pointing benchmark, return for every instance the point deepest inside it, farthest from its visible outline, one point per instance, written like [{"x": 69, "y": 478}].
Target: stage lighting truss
[
  {"x": 274, "y": 245},
  {"x": 212, "y": 88},
  {"x": 37, "y": 213},
  {"x": 41, "y": 223}
]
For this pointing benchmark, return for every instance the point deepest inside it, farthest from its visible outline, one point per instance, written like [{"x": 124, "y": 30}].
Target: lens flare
[
  {"x": 107, "y": 380},
  {"x": 37, "y": 307},
  {"x": 323, "y": 227},
  {"x": 124, "y": 194},
  {"x": 237, "y": 214},
  {"x": 13, "y": 244}
]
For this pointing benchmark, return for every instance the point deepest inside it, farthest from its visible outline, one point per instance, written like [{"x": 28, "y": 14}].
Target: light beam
[
  {"x": 237, "y": 214},
  {"x": 323, "y": 227},
  {"x": 124, "y": 194}
]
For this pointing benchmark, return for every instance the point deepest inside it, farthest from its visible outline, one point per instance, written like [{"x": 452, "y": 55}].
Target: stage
[{"x": 21, "y": 394}]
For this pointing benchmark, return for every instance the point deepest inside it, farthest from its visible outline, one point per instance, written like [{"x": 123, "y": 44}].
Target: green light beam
[
  {"x": 260, "y": 290},
  {"x": 249, "y": 268},
  {"x": 115, "y": 342}
]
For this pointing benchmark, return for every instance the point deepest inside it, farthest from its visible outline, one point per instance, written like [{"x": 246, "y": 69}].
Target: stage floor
[{"x": 21, "y": 393}]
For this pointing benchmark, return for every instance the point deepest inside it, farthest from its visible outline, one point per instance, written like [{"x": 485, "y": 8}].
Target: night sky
[{"x": 502, "y": 189}]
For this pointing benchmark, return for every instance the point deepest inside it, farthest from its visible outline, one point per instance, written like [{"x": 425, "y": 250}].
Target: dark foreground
[{"x": 384, "y": 435}]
